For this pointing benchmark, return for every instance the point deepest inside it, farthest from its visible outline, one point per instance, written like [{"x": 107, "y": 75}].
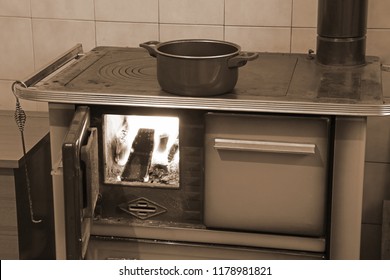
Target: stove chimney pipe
[{"x": 341, "y": 32}]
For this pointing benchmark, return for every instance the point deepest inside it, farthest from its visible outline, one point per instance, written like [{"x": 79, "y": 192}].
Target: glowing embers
[{"x": 141, "y": 150}]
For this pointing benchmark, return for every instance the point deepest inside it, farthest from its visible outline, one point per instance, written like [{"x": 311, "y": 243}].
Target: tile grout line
[
  {"x": 291, "y": 24},
  {"x": 33, "y": 47},
  {"x": 95, "y": 21},
  {"x": 158, "y": 21},
  {"x": 224, "y": 20}
]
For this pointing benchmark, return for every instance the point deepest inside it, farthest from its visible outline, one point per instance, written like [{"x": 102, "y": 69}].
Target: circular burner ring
[{"x": 123, "y": 70}]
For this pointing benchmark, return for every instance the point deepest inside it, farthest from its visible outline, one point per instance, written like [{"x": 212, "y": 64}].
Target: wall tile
[
  {"x": 63, "y": 9},
  {"x": 192, "y": 12},
  {"x": 125, "y": 10},
  {"x": 53, "y": 37},
  {"x": 378, "y": 42},
  {"x": 376, "y": 189},
  {"x": 19, "y": 8},
  {"x": 7, "y": 98},
  {"x": 303, "y": 39},
  {"x": 305, "y": 13},
  {"x": 261, "y": 39},
  {"x": 125, "y": 34},
  {"x": 173, "y": 32},
  {"x": 258, "y": 12},
  {"x": 16, "y": 52},
  {"x": 378, "y": 14},
  {"x": 42, "y": 107},
  {"x": 28, "y": 105}
]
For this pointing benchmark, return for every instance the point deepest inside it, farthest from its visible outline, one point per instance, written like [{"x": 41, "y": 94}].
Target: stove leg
[{"x": 347, "y": 192}]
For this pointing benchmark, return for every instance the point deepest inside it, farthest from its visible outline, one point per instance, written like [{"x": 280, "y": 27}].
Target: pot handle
[
  {"x": 150, "y": 46},
  {"x": 241, "y": 59}
]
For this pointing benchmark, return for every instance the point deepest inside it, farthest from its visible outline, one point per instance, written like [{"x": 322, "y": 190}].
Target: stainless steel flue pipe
[{"x": 341, "y": 32}]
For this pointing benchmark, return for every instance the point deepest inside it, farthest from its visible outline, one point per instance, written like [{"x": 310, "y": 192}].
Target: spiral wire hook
[{"x": 20, "y": 119}]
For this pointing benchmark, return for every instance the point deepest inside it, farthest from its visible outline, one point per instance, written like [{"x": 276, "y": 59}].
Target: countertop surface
[
  {"x": 11, "y": 151},
  {"x": 274, "y": 83}
]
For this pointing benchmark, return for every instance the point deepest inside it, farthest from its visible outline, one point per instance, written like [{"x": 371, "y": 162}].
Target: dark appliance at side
[{"x": 36, "y": 238}]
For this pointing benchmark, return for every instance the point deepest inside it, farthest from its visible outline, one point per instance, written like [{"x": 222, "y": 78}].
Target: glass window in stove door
[{"x": 141, "y": 150}]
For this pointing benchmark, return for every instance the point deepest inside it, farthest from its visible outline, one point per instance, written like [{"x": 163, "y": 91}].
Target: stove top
[
  {"x": 129, "y": 71},
  {"x": 273, "y": 83},
  {"x": 124, "y": 71}
]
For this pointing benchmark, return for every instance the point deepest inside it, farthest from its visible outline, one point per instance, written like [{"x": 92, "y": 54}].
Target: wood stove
[{"x": 271, "y": 170}]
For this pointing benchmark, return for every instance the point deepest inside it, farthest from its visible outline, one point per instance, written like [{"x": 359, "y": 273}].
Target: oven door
[
  {"x": 81, "y": 185},
  {"x": 267, "y": 173}
]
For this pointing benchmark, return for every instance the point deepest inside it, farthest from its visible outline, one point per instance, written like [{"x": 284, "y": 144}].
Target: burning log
[{"x": 137, "y": 167}]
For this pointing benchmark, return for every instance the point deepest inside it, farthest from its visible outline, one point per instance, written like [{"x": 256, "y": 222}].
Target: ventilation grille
[{"x": 143, "y": 208}]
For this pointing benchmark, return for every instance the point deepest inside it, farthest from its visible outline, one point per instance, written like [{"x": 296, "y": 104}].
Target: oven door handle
[{"x": 264, "y": 146}]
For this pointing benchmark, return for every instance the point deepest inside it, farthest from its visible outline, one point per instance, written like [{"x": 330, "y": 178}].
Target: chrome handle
[
  {"x": 264, "y": 146},
  {"x": 54, "y": 65},
  {"x": 241, "y": 59},
  {"x": 150, "y": 46}
]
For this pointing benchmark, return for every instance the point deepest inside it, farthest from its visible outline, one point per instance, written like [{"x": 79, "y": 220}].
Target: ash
[{"x": 165, "y": 174}]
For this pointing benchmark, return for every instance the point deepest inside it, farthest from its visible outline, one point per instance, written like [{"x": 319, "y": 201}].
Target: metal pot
[{"x": 197, "y": 67}]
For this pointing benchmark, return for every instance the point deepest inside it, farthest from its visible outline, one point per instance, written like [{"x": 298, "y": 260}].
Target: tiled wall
[{"x": 32, "y": 32}]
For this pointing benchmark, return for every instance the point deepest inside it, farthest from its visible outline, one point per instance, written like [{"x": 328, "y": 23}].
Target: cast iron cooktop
[{"x": 131, "y": 71}]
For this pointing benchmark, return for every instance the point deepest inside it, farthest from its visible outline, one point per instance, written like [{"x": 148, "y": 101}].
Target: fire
[{"x": 141, "y": 149}]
